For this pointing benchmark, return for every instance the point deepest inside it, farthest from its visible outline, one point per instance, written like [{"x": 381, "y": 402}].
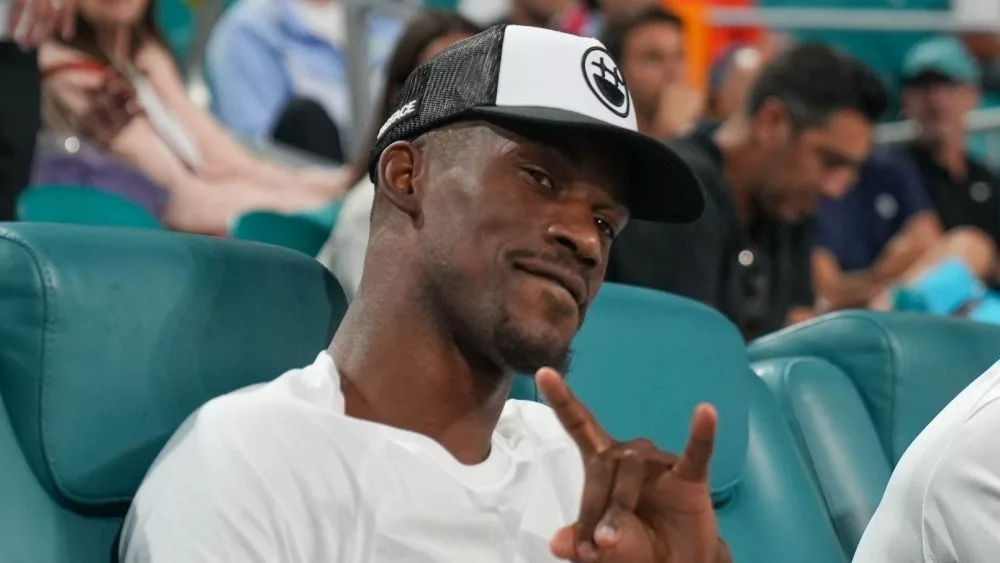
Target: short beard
[
  {"x": 504, "y": 344},
  {"x": 525, "y": 354}
]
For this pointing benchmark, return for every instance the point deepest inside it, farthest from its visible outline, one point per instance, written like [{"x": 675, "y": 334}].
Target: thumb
[{"x": 562, "y": 543}]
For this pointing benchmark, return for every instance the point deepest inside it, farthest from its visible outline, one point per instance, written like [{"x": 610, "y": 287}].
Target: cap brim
[{"x": 660, "y": 187}]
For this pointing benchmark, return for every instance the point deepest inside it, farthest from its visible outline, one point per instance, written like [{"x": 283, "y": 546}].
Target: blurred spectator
[
  {"x": 870, "y": 238},
  {"x": 24, "y": 24},
  {"x": 941, "y": 85},
  {"x": 649, "y": 47},
  {"x": 426, "y": 34},
  {"x": 117, "y": 87},
  {"x": 587, "y": 17},
  {"x": 279, "y": 69},
  {"x": 730, "y": 79},
  {"x": 805, "y": 130}
]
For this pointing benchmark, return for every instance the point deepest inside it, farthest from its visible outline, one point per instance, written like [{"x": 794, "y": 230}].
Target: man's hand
[
  {"x": 44, "y": 17},
  {"x": 640, "y": 505}
]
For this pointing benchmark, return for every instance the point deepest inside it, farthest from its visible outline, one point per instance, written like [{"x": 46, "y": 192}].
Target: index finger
[
  {"x": 579, "y": 423},
  {"x": 693, "y": 465}
]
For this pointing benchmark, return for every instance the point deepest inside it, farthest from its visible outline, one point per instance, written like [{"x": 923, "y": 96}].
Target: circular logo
[
  {"x": 605, "y": 80},
  {"x": 980, "y": 192},
  {"x": 886, "y": 206}
]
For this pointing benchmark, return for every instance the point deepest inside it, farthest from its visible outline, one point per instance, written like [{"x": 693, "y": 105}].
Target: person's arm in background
[{"x": 224, "y": 158}]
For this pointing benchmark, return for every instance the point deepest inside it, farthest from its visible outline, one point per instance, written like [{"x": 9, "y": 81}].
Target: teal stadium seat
[
  {"x": 305, "y": 232},
  {"x": 108, "y": 340},
  {"x": 83, "y": 206},
  {"x": 857, "y": 387},
  {"x": 644, "y": 359}
]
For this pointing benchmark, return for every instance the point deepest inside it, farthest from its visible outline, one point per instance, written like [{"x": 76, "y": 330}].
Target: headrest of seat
[
  {"x": 644, "y": 359},
  {"x": 109, "y": 338},
  {"x": 907, "y": 367}
]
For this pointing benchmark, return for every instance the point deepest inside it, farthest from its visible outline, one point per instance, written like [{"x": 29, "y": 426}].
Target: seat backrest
[
  {"x": 832, "y": 428},
  {"x": 906, "y": 367},
  {"x": 857, "y": 387},
  {"x": 109, "y": 339},
  {"x": 642, "y": 361},
  {"x": 83, "y": 206}
]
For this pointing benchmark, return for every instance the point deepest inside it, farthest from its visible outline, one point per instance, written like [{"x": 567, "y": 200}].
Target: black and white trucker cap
[{"x": 544, "y": 77}]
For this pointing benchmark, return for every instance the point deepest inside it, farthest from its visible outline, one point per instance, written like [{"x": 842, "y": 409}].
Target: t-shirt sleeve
[
  {"x": 961, "y": 510},
  {"x": 207, "y": 498}
]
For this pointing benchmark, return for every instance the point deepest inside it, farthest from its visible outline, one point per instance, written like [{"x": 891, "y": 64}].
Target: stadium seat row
[{"x": 107, "y": 342}]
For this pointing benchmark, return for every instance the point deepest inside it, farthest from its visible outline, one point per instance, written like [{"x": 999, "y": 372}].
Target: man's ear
[
  {"x": 401, "y": 168},
  {"x": 771, "y": 121}
]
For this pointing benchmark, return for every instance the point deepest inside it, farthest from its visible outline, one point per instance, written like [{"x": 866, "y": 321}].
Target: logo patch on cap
[
  {"x": 408, "y": 109},
  {"x": 605, "y": 80}
]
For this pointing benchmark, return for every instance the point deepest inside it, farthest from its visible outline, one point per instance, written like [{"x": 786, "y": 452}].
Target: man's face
[
  {"x": 516, "y": 232},
  {"x": 939, "y": 107},
  {"x": 652, "y": 59},
  {"x": 800, "y": 165}
]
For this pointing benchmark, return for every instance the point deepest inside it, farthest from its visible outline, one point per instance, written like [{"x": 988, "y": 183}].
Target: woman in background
[
  {"x": 115, "y": 85},
  {"x": 426, "y": 35}
]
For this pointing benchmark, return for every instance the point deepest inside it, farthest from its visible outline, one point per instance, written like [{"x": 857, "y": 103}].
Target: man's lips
[{"x": 573, "y": 283}]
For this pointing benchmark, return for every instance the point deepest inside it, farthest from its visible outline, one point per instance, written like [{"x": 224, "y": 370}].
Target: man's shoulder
[{"x": 292, "y": 402}]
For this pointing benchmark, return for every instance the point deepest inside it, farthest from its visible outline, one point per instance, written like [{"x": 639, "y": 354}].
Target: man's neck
[
  {"x": 398, "y": 370},
  {"x": 739, "y": 160}
]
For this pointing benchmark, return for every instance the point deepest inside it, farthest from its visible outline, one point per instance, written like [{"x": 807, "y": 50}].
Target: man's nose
[{"x": 575, "y": 230}]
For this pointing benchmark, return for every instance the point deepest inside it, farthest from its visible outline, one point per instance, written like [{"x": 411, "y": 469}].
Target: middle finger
[{"x": 600, "y": 476}]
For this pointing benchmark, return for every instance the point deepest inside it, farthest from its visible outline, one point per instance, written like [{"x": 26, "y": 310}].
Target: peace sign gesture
[{"x": 640, "y": 504}]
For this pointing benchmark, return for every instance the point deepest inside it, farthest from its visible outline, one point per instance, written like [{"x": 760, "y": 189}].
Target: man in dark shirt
[
  {"x": 940, "y": 87},
  {"x": 805, "y": 131}
]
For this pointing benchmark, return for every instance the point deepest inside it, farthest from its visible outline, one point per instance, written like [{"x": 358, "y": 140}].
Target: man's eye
[
  {"x": 541, "y": 178},
  {"x": 605, "y": 226}
]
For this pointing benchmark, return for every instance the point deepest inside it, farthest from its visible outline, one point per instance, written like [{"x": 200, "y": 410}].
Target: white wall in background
[{"x": 976, "y": 10}]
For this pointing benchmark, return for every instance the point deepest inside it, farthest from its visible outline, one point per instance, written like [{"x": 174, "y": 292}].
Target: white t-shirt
[
  {"x": 277, "y": 473},
  {"x": 943, "y": 501}
]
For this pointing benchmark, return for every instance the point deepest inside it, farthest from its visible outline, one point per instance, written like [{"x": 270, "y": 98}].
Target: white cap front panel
[{"x": 545, "y": 68}]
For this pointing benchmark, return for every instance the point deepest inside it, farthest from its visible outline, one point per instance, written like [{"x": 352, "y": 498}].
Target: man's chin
[{"x": 526, "y": 352}]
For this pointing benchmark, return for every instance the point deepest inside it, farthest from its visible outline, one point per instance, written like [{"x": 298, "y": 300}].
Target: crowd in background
[{"x": 805, "y": 214}]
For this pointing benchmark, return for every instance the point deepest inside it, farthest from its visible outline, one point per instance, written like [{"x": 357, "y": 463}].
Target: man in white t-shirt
[
  {"x": 508, "y": 167},
  {"x": 942, "y": 504}
]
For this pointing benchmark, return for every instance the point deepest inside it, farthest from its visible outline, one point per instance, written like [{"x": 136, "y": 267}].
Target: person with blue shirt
[
  {"x": 884, "y": 236},
  {"x": 282, "y": 66},
  {"x": 871, "y": 236}
]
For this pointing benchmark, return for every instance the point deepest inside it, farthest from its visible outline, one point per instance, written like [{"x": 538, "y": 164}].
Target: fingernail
[{"x": 606, "y": 533}]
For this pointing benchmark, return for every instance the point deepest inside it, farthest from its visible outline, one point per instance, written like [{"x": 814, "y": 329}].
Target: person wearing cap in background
[
  {"x": 804, "y": 131},
  {"x": 502, "y": 179},
  {"x": 940, "y": 87}
]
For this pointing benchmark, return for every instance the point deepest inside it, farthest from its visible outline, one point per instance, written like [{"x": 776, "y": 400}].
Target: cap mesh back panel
[{"x": 460, "y": 78}]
